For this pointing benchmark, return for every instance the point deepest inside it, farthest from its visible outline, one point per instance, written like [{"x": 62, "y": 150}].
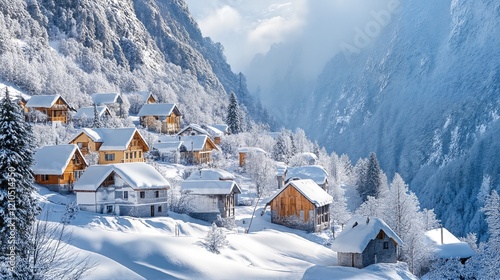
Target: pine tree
[
  {"x": 18, "y": 205},
  {"x": 370, "y": 181},
  {"x": 215, "y": 239},
  {"x": 233, "y": 115},
  {"x": 97, "y": 119},
  {"x": 279, "y": 149}
]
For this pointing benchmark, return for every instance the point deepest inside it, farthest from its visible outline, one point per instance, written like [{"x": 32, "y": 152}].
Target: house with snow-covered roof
[
  {"x": 88, "y": 113},
  {"x": 168, "y": 114},
  {"x": 58, "y": 167},
  {"x": 314, "y": 172},
  {"x": 114, "y": 145},
  {"x": 211, "y": 199},
  {"x": 446, "y": 246},
  {"x": 195, "y": 129},
  {"x": 129, "y": 189},
  {"x": 106, "y": 98},
  {"x": 365, "y": 241},
  {"x": 168, "y": 151},
  {"x": 54, "y": 108},
  {"x": 146, "y": 97},
  {"x": 211, "y": 174},
  {"x": 195, "y": 149},
  {"x": 244, "y": 151},
  {"x": 301, "y": 204}
]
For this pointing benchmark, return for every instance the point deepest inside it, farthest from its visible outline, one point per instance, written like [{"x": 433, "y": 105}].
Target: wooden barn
[
  {"x": 365, "y": 241},
  {"x": 54, "y": 107},
  {"x": 168, "y": 114},
  {"x": 114, "y": 145},
  {"x": 301, "y": 204},
  {"x": 58, "y": 167}
]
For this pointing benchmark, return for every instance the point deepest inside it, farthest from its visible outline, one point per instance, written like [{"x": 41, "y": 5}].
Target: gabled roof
[
  {"x": 451, "y": 247},
  {"x": 158, "y": 109},
  {"x": 137, "y": 175},
  {"x": 89, "y": 112},
  {"x": 53, "y": 160},
  {"x": 112, "y": 139},
  {"x": 211, "y": 174},
  {"x": 196, "y": 142},
  {"x": 164, "y": 147},
  {"x": 210, "y": 187},
  {"x": 44, "y": 101},
  {"x": 224, "y": 128},
  {"x": 144, "y": 94},
  {"x": 359, "y": 231},
  {"x": 314, "y": 172},
  {"x": 310, "y": 190},
  {"x": 251, "y": 150},
  {"x": 105, "y": 98},
  {"x": 194, "y": 127}
]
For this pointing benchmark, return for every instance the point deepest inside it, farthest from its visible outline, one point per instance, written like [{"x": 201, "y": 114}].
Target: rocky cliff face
[{"x": 75, "y": 48}]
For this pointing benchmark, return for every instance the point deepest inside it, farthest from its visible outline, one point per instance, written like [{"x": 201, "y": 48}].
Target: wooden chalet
[
  {"x": 168, "y": 114},
  {"x": 131, "y": 189},
  {"x": 301, "y": 204},
  {"x": 210, "y": 131},
  {"x": 53, "y": 106},
  {"x": 365, "y": 241},
  {"x": 88, "y": 112},
  {"x": 58, "y": 167},
  {"x": 211, "y": 199},
  {"x": 197, "y": 149},
  {"x": 114, "y": 145},
  {"x": 244, "y": 151},
  {"x": 146, "y": 96}
]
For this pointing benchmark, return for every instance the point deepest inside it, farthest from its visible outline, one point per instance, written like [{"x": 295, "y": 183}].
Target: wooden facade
[
  {"x": 292, "y": 208},
  {"x": 198, "y": 156},
  {"x": 64, "y": 182},
  {"x": 57, "y": 113},
  {"x": 133, "y": 153}
]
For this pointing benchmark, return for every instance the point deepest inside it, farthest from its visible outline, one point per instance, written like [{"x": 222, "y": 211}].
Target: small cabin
[
  {"x": 244, "y": 151},
  {"x": 196, "y": 149},
  {"x": 212, "y": 174},
  {"x": 114, "y": 145},
  {"x": 301, "y": 204},
  {"x": 366, "y": 241},
  {"x": 211, "y": 199},
  {"x": 58, "y": 167},
  {"x": 53, "y": 107},
  {"x": 113, "y": 101},
  {"x": 168, "y": 151},
  {"x": 145, "y": 97},
  {"x": 316, "y": 173},
  {"x": 128, "y": 189},
  {"x": 195, "y": 129},
  {"x": 168, "y": 114},
  {"x": 445, "y": 245}
]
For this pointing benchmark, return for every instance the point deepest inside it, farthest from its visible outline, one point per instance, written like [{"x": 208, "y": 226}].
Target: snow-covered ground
[{"x": 147, "y": 248}]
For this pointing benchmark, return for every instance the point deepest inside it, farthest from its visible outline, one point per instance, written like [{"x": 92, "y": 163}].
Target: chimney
[{"x": 442, "y": 235}]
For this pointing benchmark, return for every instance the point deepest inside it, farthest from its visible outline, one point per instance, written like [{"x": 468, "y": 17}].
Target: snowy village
[{"x": 282, "y": 139}]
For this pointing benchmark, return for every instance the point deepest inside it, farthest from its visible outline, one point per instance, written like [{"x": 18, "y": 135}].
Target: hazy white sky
[{"x": 247, "y": 28}]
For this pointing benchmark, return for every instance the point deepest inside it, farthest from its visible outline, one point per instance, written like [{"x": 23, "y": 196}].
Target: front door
[{"x": 152, "y": 210}]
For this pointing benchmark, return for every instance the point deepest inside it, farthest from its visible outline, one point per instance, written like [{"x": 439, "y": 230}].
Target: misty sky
[{"x": 311, "y": 31}]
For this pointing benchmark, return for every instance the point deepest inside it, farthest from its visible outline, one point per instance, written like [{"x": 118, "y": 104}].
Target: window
[
  {"x": 140, "y": 154},
  {"x": 126, "y": 155},
  {"x": 386, "y": 245},
  {"x": 135, "y": 154},
  {"x": 157, "y": 194},
  {"x": 109, "y": 157},
  {"x": 142, "y": 194},
  {"x": 44, "y": 177},
  {"x": 125, "y": 195},
  {"x": 159, "y": 209},
  {"x": 109, "y": 209}
]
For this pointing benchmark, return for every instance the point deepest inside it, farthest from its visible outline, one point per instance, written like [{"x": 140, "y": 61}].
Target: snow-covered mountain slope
[
  {"x": 136, "y": 248},
  {"x": 424, "y": 94},
  {"x": 76, "y": 48}
]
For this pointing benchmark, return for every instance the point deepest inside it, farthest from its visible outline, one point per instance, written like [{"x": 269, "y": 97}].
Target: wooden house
[
  {"x": 54, "y": 107},
  {"x": 211, "y": 199},
  {"x": 196, "y": 149},
  {"x": 168, "y": 114},
  {"x": 168, "y": 151},
  {"x": 146, "y": 97},
  {"x": 114, "y": 145},
  {"x": 58, "y": 167},
  {"x": 446, "y": 246},
  {"x": 129, "y": 189},
  {"x": 365, "y": 241},
  {"x": 301, "y": 204},
  {"x": 244, "y": 151},
  {"x": 314, "y": 172},
  {"x": 210, "y": 131},
  {"x": 212, "y": 174},
  {"x": 113, "y": 101},
  {"x": 88, "y": 113}
]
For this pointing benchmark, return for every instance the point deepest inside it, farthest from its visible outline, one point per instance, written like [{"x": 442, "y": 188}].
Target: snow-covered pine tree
[
  {"x": 18, "y": 205},
  {"x": 370, "y": 183},
  {"x": 97, "y": 119},
  {"x": 233, "y": 115},
  {"x": 215, "y": 239}
]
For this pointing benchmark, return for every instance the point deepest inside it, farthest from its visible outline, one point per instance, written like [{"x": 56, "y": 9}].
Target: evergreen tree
[
  {"x": 370, "y": 182},
  {"x": 97, "y": 119},
  {"x": 233, "y": 115},
  {"x": 18, "y": 205}
]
